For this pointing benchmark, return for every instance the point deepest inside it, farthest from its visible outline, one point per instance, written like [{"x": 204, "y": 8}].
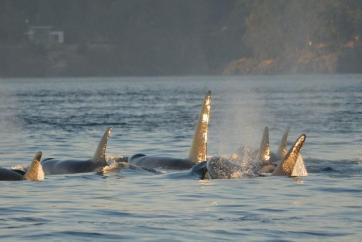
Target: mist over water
[
  {"x": 65, "y": 118},
  {"x": 9, "y": 124},
  {"x": 241, "y": 119}
]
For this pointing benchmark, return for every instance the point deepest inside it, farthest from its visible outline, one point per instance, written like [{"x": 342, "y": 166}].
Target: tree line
[{"x": 195, "y": 36}]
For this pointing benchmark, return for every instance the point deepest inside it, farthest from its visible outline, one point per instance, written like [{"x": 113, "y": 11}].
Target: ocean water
[{"x": 65, "y": 118}]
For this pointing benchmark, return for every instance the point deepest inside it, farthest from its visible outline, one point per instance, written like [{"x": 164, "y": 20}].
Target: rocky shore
[{"x": 344, "y": 60}]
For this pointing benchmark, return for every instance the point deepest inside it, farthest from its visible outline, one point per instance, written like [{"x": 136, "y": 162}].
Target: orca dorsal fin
[
  {"x": 299, "y": 167},
  {"x": 100, "y": 155},
  {"x": 283, "y": 147},
  {"x": 35, "y": 171},
  {"x": 198, "y": 151},
  {"x": 264, "y": 150},
  {"x": 288, "y": 164}
]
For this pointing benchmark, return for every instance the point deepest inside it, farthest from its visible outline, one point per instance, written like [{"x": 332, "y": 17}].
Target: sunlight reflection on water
[{"x": 66, "y": 117}]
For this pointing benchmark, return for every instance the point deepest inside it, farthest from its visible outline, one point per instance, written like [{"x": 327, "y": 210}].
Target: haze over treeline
[{"x": 179, "y": 37}]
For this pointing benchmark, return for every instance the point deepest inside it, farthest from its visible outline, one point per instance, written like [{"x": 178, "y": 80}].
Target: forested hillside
[{"x": 180, "y": 37}]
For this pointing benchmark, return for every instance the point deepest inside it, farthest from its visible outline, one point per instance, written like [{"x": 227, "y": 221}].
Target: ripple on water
[{"x": 66, "y": 117}]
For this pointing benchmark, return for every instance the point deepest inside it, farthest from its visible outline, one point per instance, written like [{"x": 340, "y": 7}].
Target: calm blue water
[{"x": 65, "y": 118}]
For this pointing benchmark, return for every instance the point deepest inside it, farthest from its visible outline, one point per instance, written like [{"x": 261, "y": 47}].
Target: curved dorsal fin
[
  {"x": 299, "y": 167},
  {"x": 288, "y": 164},
  {"x": 35, "y": 171},
  {"x": 198, "y": 151},
  {"x": 283, "y": 147},
  {"x": 100, "y": 155},
  {"x": 264, "y": 151}
]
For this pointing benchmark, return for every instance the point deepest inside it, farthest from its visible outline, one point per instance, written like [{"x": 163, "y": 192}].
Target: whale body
[
  {"x": 33, "y": 173},
  {"x": 198, "y": 149},
  {"x": 292, "y": 165},
  {"x": 53, "y": 166}
]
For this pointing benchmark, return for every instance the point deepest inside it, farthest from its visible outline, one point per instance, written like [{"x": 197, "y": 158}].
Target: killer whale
[
  {"x": 268, "y": 160},
  {"x": 263, "y": 159},
  {"x": 291, "y": 164},
  {"x": 271, "y": 162},
  {"x": 33, "y": 173},
  {"x": 53, "y": 166},
  {"x": 197, "y": 152}
]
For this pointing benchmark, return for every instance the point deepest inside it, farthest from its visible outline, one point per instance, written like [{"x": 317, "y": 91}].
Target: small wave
[
  {"x": 69, "y": 235},
  {"x": 323, "y": 233},
  {"x": 340, "y": 190},
  {"x": 340, "y": 167}
]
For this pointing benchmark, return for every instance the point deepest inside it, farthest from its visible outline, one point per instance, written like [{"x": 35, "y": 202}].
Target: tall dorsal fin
[
  {"x": 283, "y": 147},
  {"x": 35, "y": 171},
  {"x": 198, "y": 151},
  {"x": 100, "y": 155},
  {"x": 299, "y": 167},
  {"x": 287, "y": 165},
  {"x": 264, "y": 150}
]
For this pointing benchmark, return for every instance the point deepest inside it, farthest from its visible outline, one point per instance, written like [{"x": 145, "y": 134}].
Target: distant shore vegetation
[{"x": 179, "y": 37}]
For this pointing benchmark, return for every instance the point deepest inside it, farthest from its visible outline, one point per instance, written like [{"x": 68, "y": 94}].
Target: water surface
[{"x": 65, "y": 118}]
